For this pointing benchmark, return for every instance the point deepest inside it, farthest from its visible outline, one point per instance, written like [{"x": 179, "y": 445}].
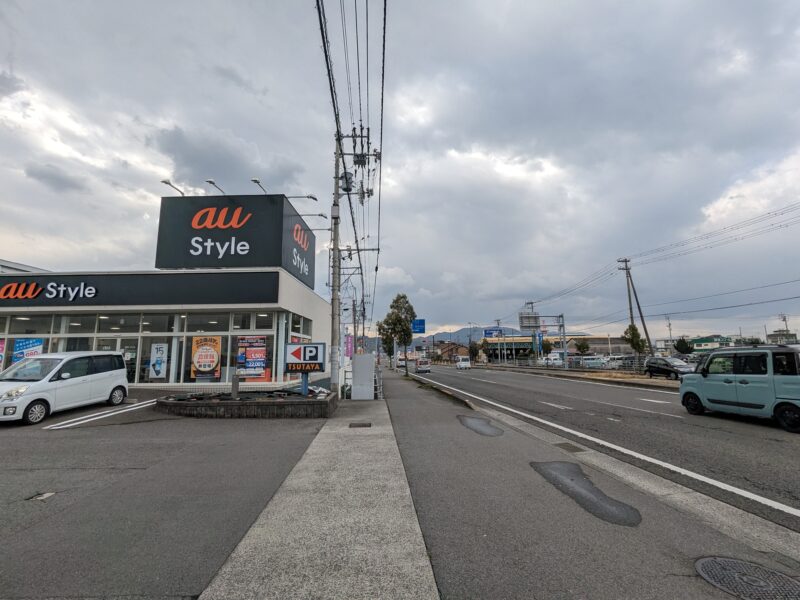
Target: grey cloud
[
  {"x": 55, "y": 178},
  {"x": 198, "y": 155},
  {"x": 231, "y": 75},
  {"x": 10, "y": 84}
]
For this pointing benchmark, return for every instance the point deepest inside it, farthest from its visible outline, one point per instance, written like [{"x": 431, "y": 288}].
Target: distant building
[
  {"x": 710, "y": 342},
  {"x": 6, "y": 266},
  {"x": 781, "y": 336}
]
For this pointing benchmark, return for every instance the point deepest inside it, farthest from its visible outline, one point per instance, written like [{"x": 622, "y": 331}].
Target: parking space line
[
  {"x": 91, "y": 418},
  {"x": 81, "y": 418},
  {"x": 674, "y": 468}
]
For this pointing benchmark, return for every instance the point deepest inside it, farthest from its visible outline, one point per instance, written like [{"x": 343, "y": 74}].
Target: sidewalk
[{"x": 342, "y": 524}]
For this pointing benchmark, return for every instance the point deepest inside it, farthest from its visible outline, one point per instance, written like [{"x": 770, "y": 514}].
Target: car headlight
[{"x": 14, "y": 393}]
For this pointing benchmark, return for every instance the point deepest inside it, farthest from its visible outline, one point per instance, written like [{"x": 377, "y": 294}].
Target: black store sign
[
  {"x": 138, "y": 289},
  {"x": 234, "y": 231}
]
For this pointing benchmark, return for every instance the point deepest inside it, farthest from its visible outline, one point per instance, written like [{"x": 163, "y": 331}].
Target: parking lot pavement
[{"x": 135, "y": 504}]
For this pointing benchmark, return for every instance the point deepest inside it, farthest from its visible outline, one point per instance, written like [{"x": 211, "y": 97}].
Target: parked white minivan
[{"x": 40, "y": 385}]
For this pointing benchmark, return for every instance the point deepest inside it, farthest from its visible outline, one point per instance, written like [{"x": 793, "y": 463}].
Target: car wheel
[
  {"x": 650, "y": 374},
  {"x": 117, "y": 396},
  {"x": 35, "y": 412},
  {"x": 672, "y": 376},
  {"x": 788, "y": 417},
  {"x": 693, "y": 404}
]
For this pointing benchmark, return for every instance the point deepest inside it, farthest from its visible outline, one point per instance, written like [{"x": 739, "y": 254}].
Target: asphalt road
[
  {"x": 748, "y": 453},
  {"x": 144, "y": 504},
  {"x": 497, "y": 526}
]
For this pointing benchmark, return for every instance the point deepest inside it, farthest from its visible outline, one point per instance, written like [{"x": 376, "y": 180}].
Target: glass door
[{"x": 128, "y": 347}]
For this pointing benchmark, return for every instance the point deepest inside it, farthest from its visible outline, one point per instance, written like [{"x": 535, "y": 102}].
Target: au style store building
[{"x": 236, "y": 286}]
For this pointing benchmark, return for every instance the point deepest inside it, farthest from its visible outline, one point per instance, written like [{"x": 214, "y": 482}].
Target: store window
[
  {"x": 206, "y": 359},
  {"x": 158, "y": 353},
  {"x": 160, "y": 323},
  {"x": 265, "y": 320},
  {"x": 79, "y": 323},
  {"x": 241, "y": 320},
  {"x": 33, "y": 324},
  {"x": 70, "y": 344},
  {"x": 297, "y": 323},
  {"x": 253, "y": 355},
  {"x": 118, "y": 323},
  {"x": 18, "y": 348},
  {"x": 202, "y": 322},
  {"x": 307, "y": 327},
  {"x": 3, "y": 322}
]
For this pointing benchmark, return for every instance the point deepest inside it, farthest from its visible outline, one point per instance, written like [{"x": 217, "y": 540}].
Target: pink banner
[{"x": 348, "y": 346}]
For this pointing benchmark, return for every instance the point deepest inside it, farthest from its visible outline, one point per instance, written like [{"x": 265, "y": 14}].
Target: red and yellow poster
[{"x": 206, "y": 358}]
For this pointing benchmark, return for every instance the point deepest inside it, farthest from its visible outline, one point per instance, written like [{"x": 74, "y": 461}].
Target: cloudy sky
[{"x": 527, "y": 145}]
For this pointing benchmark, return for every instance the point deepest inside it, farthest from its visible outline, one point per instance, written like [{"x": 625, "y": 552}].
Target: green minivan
[{"x": 761, "y": 381}]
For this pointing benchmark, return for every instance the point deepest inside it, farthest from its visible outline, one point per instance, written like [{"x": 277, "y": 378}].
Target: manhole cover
[
  {"x": 747, "y": 580},
  {"x": 360, "y": 424}
]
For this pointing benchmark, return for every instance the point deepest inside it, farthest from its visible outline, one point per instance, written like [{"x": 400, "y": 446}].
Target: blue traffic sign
[{"x": 418, "y": 326}]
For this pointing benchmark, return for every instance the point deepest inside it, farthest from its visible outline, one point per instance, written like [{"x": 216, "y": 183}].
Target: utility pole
[
  {"x": 669, "y": 326},
  {"x": 785, "y": 320},
  {"x": 355, "y": 327},
  {"x": 563, "y": 331},
  {"x": 498, "y": 341},
  {"x": 336, "y": 312},
  {"x": 627, "y": 270},
  {"x": 632, "y": 288}
]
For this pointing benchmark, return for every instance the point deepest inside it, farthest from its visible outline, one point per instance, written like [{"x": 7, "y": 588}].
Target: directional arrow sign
[{"x": 305, "y": 358}]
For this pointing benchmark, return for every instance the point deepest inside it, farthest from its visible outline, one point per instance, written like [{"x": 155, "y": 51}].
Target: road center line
[
  {"x": 103, "y": 416},
  {"x": 656, "y": 401},
  {"x": 675, "y": 469},
  {"x": 484, "y": 380},
  {"x": 556, "y": 405}
]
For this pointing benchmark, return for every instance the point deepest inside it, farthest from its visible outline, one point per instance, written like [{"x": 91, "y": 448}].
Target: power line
[
  {"x": 347, "y": 60},
  {"x": 380, "y": 162}
]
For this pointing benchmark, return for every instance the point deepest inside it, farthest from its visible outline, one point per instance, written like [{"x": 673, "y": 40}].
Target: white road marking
[
  {"x": 626, "y": 387},
  {"x": 81, "y": 418},
  {"x": 675, "y": 469},
  {"x": 483, "y": 380},
  {"x": 656, "y": 401},
  {"x": 103, "y": 416},
  {"x": 613, "y": 419},
  {"x": 556, "y": 405}
]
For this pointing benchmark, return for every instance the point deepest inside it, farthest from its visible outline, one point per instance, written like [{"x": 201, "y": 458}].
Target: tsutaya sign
[
  {"x": 305, "y": 358},
  {"x": 234, "y": 231}
]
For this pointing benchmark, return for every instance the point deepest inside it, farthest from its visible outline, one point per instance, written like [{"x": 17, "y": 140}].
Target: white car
[
  {"x": 462, "y": 362},
  {"x": 40, "y": 385}
]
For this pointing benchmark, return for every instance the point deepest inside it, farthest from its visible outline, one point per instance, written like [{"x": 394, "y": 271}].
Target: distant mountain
[{"x": 460, "y": 336}]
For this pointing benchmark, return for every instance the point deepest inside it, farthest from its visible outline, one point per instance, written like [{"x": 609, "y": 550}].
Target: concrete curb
[{"x": 468, "y": 403}]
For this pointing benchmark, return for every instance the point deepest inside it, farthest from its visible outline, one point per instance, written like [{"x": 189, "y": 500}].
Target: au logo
[
  {"x": 19, "y": 291},
  {"x": 215, "y": 218},
  {"x": 300, "y": 236}
]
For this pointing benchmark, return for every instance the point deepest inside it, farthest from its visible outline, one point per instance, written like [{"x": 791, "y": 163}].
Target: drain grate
[
  {"x": 746, "y": 580},
  {"x": 355, "y": 424},
  {"x": 570, "y": 447}
]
